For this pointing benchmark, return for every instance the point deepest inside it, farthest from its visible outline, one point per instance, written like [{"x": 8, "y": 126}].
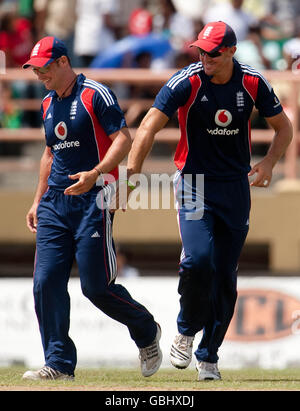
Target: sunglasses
[
  {"x": 42, "y": 70},
  {"x": 212, "y": 55}
]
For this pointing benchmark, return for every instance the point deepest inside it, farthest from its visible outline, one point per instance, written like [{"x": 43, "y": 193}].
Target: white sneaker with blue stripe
[
  {"x": 151, "y": 356},
  {"x": 207, "y": 371},
  {"x": 181, "y": 351},
  {"x": 46, "y": 373}
]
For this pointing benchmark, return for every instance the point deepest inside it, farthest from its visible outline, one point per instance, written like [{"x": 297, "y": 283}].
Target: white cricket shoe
[
  {"x": 46, "y": 373},
  {"x": 207, "y": 371},
  {"x": 181, "y": 351},
  {"x": 151, "y": 356}
]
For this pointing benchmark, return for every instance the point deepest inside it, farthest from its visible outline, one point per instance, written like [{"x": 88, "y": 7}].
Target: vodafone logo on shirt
[
  {"x": 223, "y": 118},
  {"x": 61, "y": 130}
]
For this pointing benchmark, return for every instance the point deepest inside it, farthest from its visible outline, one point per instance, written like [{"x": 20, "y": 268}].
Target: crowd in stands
[
  {"x": 143, "y": 33},
  {"x": 268, "y": 32}
]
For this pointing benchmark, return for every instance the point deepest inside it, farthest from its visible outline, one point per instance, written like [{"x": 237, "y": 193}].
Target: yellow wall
[{"x": 275, "y": 219}]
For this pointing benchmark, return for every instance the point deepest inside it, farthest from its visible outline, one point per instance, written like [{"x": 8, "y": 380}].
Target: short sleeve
[
  {"x": 267, "y": 102},
  {"x": 173, "y": 95},
  {"x": 108, "y": 111}
]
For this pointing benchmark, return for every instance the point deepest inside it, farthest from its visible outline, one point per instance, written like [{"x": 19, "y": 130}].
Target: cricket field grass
[{"x": 166, "y": 379}]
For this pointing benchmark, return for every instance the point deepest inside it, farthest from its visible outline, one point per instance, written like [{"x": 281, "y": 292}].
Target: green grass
[{"x": 165, "y": 380}]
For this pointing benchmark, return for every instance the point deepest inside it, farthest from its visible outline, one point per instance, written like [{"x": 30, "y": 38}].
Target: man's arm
[
  {"x": 45, "y": 168},
  {"x": 153, "y": 122},
  {"x": 115, "y": 154},
  {"x": 282, "y": 138}
]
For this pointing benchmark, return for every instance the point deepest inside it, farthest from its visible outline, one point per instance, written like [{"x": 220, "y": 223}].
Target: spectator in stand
[
  {"x": 291, "y": 55},
  {"x": 10, "y": 115},
  {"x": 16, "y": 41},
  {"x": 255, "y": 7},
  {"x": 187, "y": 54},
  {"x": 291, "y": 51},
  {"x": 282, "y": 18},
  {"x": 140, "y": 22},
  {"x": 176, "y": 26},
  {"x": 56, "y": 18},
  {"x": 15, "y": 38},
  {"x": 250, "y": 50},
  {"x": 94, "y": 28},
  {"x": 26, "y": 9},
  {"x": 232, "y": 12}
]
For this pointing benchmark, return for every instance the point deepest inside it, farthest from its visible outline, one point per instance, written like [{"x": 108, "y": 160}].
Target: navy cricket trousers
[
  {"x": 79, "y": 227},
  {"x": 213, "y": 219}
]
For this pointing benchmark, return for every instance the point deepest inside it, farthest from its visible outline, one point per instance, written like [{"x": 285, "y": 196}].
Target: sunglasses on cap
[{"x": 212, "y": 55}]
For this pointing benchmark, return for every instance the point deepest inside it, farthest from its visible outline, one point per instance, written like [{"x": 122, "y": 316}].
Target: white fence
[{"x": 265, "y": 330}]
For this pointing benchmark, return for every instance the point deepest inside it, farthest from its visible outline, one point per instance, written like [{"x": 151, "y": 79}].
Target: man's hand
[
  {"x": 86, "y": 180},
  {"x": 282, "y": 138},
  {"x": 31, "y": 218},
  {"x": 120, "y": 198},
  {"x": 263, "y": 171}
]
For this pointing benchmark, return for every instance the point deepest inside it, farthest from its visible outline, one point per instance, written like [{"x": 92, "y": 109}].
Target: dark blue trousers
[
  {"x": 213, "y": 220},
  {"x": 79, "y": 227}
]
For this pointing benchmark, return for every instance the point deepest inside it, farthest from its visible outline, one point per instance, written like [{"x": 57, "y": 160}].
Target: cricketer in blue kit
[
  {"x": 86, "y": 138},
  {"x": 214, "y": 99}
]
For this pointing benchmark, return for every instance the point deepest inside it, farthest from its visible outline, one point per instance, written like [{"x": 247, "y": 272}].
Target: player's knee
[
  {"x": 42, "y": 282},
  {"x": 203, "y": 262},
  {"x": 196, "y": 273},
  {"x": 198, "y": 262},
  {"x": 94, "y": 294}
]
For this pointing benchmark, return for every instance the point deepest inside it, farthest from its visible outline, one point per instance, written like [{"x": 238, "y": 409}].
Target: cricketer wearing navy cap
[
  {"x": 86, "y": 138},
  {"x": 214, "y": 36},
  {"x": 214, "y": 99},
  {"x": 46, "y": 51}
]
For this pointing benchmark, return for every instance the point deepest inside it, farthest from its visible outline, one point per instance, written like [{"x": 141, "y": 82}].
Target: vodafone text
[
  {"x": 223, "y": 131},
  {"x": 66, "y": 144}
]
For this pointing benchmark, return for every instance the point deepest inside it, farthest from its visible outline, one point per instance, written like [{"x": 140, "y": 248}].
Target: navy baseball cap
[
  {"x": 214, "y": 36},
  {"x": 45, "y": 51}
]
